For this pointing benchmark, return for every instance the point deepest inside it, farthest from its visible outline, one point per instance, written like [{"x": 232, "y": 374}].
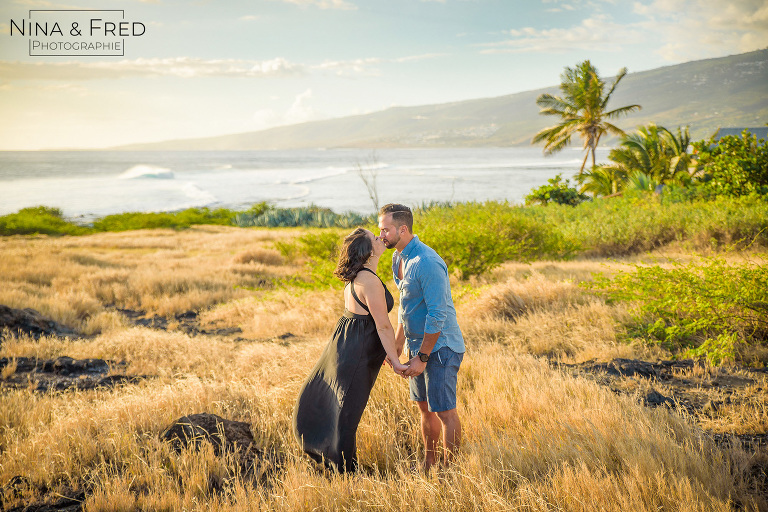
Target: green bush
[
  {"x": 154, "y": 220},
  {"x": 474, "y": 238},
  {"x": 320, "y": 251},
  {"x": 39, "y": 220},
  {"x": 639, "y": 222},
  {"x": 556, "y": 191},
  {"x": 734, "y": 166},
  {"x": 706, "y": 308}
]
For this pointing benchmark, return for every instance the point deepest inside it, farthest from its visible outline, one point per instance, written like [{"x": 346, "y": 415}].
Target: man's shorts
[{"x": 437, "y": 384}]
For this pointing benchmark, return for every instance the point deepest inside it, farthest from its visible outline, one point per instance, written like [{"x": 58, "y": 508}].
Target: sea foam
[{"x": 147, "y": 171}]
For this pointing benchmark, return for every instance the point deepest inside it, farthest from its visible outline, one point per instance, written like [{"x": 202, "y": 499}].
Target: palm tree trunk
[
  {"x": 593, "y": 148},
  {"x": 584, "y": 163}
]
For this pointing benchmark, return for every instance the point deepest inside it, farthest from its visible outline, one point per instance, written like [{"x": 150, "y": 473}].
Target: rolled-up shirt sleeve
[{"x": 436, "y": 290}]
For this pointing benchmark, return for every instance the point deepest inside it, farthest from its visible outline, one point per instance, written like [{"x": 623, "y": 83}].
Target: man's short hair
[{"x": 401, "y": 215}]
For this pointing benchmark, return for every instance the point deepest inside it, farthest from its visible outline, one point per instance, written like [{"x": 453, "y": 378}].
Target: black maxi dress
[{"x": 335, "y": 394}]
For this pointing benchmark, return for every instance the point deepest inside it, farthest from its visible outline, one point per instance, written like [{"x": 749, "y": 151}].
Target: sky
[{"x": 204, "y": 68}]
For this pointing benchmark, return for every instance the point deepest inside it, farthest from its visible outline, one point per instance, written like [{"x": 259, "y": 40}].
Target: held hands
[
  {"x": 415, "y": 367},
  {"x": 398, "y": 367}
]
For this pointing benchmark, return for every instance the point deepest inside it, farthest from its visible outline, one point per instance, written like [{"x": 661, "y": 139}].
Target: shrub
[
  {"x": 557, "y": 192},
  {"x": 320, "y": 251},
  {"x": 153, "y": 220},
  {"x": 39, "y": 220},
  {"x": 734, "y": 166},
  {"x": 641, "y": 222},
  {"x": 474, "y": 238},
  {"x": 705, "y": 308}
]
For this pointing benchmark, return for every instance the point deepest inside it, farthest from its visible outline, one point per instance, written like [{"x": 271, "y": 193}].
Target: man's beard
[{"x": 390, "y": 244}]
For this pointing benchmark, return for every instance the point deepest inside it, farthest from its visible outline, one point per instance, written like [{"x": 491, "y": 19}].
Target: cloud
[
  {"x": 323, "y": 4},
  {"x": 300, "y": 111},
  {"x": 570, "y": 5},
  {"x": 368, "y": 66},
  {"x": 266, "y": 118},
  {"x": 423, "y": 56},
  {"x": 692, "y": 29},
  {"x": 365, "y": 66},
  {"x": 183, "y": 67},
  {"x": 597, "y": 33},
  {"x": 677, "y": 30},
  {"x": 189, "y": 67}
]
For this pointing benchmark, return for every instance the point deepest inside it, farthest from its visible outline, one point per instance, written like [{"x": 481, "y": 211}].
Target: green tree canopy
[{"x": 733, "y": 166}]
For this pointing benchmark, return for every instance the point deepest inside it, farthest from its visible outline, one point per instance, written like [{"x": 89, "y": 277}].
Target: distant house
[{"x": 761, "y": 132}]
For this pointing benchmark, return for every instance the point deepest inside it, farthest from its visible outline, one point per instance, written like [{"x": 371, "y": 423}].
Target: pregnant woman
[{"x": 335, "y": 394}]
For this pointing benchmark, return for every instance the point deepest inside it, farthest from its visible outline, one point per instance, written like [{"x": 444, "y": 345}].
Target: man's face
[{"x": 390, "y": 234}]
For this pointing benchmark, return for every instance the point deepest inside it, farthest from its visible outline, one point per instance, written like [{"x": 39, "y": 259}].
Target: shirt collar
[{"x": 410, "y": 247}]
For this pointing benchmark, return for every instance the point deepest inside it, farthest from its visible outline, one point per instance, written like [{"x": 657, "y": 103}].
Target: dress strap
[
  {"x": 372, "y": 272},
  {"x": 352, "y": 285}
]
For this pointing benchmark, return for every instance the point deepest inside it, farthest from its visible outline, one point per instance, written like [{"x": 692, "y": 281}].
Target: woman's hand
[{"x": 397, "y": 366}]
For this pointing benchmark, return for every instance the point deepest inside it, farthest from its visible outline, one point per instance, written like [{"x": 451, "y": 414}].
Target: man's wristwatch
[{"x": 424, "y": 357}]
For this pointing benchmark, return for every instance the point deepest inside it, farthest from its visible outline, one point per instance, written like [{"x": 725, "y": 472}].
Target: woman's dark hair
[{"x": 355, "y": 251}]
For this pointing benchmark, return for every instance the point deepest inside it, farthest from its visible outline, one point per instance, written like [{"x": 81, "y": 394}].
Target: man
[{"x": 427, "y": 322}]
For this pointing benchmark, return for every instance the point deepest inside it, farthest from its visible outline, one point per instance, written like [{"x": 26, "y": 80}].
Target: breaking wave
[{"x": 147, "y": 171}]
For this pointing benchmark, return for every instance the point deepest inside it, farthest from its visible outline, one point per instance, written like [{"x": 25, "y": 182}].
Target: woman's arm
[{"x": 372, "y": 292}]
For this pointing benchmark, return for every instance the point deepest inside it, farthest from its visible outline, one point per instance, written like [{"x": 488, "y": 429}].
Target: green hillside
[{"x": 706, "y": 95}]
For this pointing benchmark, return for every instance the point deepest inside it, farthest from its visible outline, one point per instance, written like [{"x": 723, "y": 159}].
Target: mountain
[{"x": 705, "y": 95}]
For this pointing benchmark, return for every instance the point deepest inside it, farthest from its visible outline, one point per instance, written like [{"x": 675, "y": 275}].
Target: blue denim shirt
[{"x": 426, "y": 304}]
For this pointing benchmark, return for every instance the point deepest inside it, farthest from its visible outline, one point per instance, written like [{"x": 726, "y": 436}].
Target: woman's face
[{"x": 378, "y": 244}]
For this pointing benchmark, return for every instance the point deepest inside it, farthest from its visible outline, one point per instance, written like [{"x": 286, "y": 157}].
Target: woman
[{"x": 335, "y": 394}]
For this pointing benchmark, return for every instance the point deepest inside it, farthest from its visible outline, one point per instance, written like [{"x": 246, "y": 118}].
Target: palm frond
[
  {"x": 622, "y": 111},
  {"x": 613, "y": 129},
  {"x": 619, "y": 76}
]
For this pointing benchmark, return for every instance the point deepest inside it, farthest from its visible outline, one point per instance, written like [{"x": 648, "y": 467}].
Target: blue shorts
[{"x": 437, "y": 385}]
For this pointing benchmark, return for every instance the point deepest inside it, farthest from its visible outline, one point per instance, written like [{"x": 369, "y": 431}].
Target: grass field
[{"x": 535, "y": 437}]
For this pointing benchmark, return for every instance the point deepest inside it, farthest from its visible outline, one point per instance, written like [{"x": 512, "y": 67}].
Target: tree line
[{"x": 648, "y": 159}]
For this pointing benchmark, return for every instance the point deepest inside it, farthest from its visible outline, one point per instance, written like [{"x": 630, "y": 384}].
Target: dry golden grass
[
  {"x": 535, "y": 438},
  {"x": 161, "y": 272}
]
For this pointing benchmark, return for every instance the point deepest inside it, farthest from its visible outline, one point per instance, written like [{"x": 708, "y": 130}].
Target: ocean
[{"x": 91, "y": 184}]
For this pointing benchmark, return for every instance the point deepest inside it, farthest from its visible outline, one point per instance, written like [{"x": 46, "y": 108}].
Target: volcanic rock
[
  {"x": 223, "y": 434},
  {"x": 19, "y": 322},
  {"x": 60, "y": 374}
]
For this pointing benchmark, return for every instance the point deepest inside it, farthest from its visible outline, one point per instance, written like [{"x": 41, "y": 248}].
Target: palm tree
[
  {"x": 602, "y": 180},
  {"x": 656, "y": 152},
  {"x": 638, "y": 180},
  {"x": 681, "y": 161},
  {"x": 582, "y": 108}
]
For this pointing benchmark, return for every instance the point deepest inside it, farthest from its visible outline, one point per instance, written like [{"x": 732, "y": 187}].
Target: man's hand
[{"x": 415, "y": 367}]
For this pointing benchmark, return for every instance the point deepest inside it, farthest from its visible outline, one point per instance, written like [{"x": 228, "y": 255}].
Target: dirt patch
[
  {"x": 187, "y": 322},
  {"x": 20, "y": 322},
  {"x": 62, "y": 373},
  {"x": 67, "y": 501},
  {"x": 718, "y": 399}
]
